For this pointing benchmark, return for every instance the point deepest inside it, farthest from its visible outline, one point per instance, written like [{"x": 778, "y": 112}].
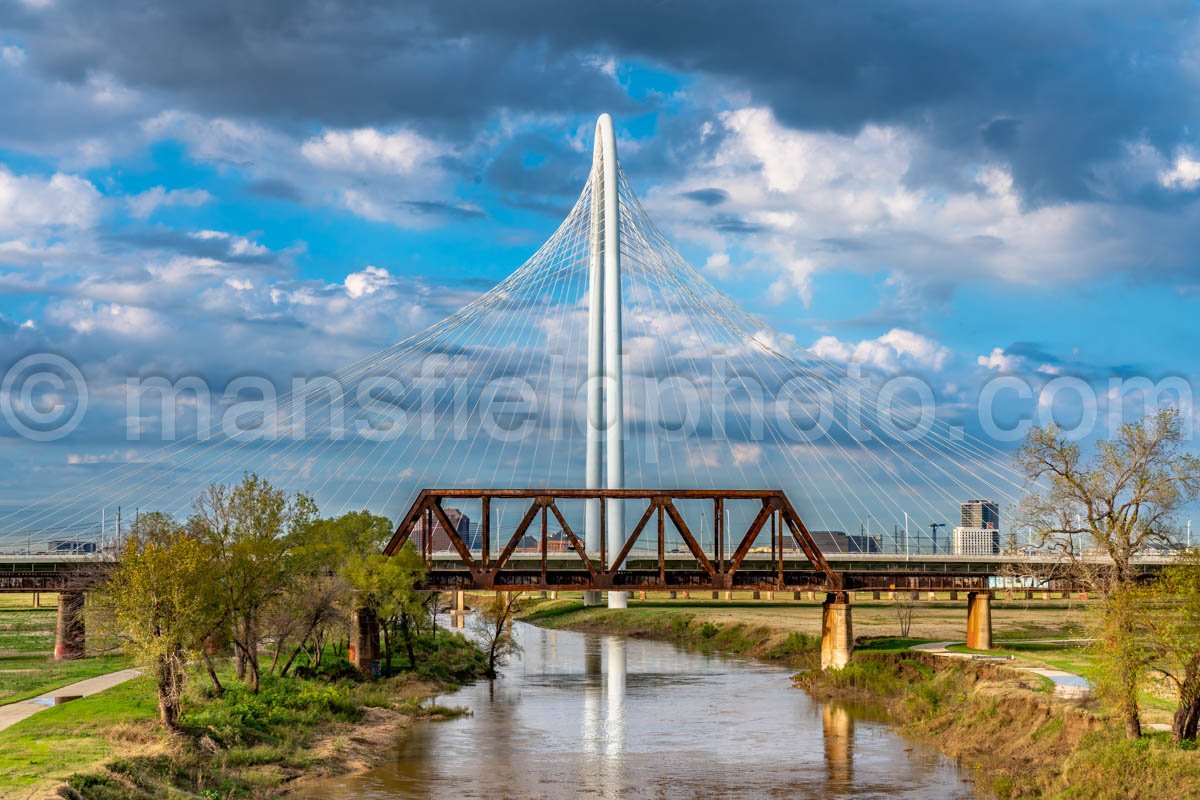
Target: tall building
[
  {"x": 979, "y": 533},
  {"x": 981, "y": 514}
]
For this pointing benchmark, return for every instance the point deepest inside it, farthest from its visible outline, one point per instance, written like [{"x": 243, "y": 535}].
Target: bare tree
[
  {"x": 1099, "y": 514},
  {"x": 905, "y": 610},
  {"x": 494, "y": 624}
]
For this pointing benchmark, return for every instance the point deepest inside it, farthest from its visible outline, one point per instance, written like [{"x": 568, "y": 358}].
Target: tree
[
  {"x": 388, "y": 586},
  {"x": 493, "y": 622},
  {"x": 248, "y": 526},
  {"x": 905, "y": 610},
  {"x": 160, "y": 597},
  {"x": 1169, "y": 612},
  {"x": 1101, "y": 513}
]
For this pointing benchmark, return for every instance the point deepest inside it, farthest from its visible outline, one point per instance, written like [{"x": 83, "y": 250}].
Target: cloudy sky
[{"x": 956, "y": 191}]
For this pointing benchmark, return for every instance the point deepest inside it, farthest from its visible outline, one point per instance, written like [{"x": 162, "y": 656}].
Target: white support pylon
[{"x": 605, "y": 396}]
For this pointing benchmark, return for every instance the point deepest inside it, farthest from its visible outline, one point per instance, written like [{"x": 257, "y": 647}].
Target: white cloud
[
  {"x": 797, "y": 203},
  {"x": 368, "y": 150},
  {"x": 369, "y": 281},
  {"x": 896, "y": 351},
  {"x": 239, "y": 246},
  {"x": 146, "y": 203},
  {"x": 12, "y": 55},
  {"x": 30, "y": 205},
  {"x": 1000, "y": 361},
  {"x": 1184, "y": 174}
]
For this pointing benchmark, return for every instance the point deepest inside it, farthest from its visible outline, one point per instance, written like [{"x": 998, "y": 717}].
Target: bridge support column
[
  {"x": 716, "y": 595},
  {"x": 69, "y": 638},
  {"x": 837, "y": 631},
  {"x": 979, "y": 620},
  {"x": 954, "y": 595},
  {"x": 593, "y": 598},
  {"x": 364, "y": 641},
  {"x": 458, "y": 609}
]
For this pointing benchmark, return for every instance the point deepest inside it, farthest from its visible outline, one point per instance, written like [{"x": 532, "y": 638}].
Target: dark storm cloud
[
  {"x": 340, "y": 64},
  {"x": 708, "y": 197},
  {"x": 1054, "y": 89}
]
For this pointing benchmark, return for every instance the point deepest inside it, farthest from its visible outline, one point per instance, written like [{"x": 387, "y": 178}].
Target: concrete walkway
[
  {"x": 1066, "y": 685},
  {"x": 13, "y": 713}
]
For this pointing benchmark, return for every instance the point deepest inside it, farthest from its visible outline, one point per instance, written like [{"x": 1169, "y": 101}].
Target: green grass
[
  {"x": 25, "y": 601},
  {"x": 888, "y": 644},
  {"x": 23, "y": 677},
  {"x": 27, "y": 630},
  {"x": 1069, "y": 658},
  {"x": 56, "y": 742}
]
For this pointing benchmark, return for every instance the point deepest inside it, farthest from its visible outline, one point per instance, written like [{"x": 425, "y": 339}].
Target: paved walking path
[
  {"x": 1066, "y": 684},
  {"x": 13, "y": 713}
]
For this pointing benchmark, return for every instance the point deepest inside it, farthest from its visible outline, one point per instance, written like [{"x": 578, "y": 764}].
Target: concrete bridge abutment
[
  {"x": 979, "y": 620},
  {"x": 837, "y": 631},
  {"x": 364, "y": 641}
]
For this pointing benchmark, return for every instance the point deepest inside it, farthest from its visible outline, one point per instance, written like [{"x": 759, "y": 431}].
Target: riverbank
[
  {"x": 1007, "y": 727},
  {"x": 237, "y": 745}
]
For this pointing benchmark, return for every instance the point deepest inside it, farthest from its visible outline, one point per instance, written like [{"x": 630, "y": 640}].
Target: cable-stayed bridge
[{"x": 613, "y": 422}]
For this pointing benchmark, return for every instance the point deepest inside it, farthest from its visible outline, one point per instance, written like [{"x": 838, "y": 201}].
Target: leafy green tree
[
  {"x": 1169, "y": 612},
  {"x": 1100, "y": 514},
  {"x": 388, "y": 586},
  {"x": 160, "y": 598},
  {"x": 249, "y": 527}
]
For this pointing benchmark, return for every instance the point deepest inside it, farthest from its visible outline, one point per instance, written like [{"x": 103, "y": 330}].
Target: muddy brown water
[{"x": 594, "y": 716}]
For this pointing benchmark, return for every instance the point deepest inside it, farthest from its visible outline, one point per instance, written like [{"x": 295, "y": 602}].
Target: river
[{"x": 583, "y": 715}]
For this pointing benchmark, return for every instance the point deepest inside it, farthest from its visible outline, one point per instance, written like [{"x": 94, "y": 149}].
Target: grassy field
[
  {"x": 236, "y": 745},
  {"x": 27, "y": 668},
  {"x": 937, "y": 620},
  {"x": 51, "y": 745}
]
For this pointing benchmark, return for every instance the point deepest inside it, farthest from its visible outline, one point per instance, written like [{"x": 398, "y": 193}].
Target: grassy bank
[
  {"x": 1018, "y": 740},
  {"x": 27, "y": 668},
  {"x": 1005, "y": 726},
  {"x": 235, "y": 745}
]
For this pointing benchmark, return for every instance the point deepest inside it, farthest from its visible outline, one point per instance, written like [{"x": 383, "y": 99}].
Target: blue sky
[{"x": 281, "y": 188}]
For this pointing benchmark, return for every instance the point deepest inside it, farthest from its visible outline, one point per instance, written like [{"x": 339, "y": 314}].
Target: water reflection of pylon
[{"x": 838, "y": 728}]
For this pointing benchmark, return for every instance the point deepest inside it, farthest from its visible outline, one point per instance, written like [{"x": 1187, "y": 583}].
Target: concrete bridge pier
[
  {"x": 979, "y": 620},
  {"x": 837, "y": 631},
  {"x": 364, "y": 641},
  {"x": 69, "y": 637},
  {"x": 458, "y": 609},
  {"x": 593, "y": 598}
]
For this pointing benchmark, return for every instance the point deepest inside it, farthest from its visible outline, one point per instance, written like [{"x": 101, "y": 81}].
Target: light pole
[{"x": 933, "y": 526}]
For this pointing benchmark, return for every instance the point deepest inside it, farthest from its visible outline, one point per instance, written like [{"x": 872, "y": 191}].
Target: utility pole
[{"x": 905, "y": 535}]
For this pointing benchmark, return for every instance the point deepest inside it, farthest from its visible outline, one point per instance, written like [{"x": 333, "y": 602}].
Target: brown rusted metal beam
[
  {"x": 404, "y": 529},
  {"x": 690, "y": 540},
  {"x": 747, "y": 542},
  {"x": 463, "y": 552},
  {"x": 516, "y": 539},
  {"x": 633, "y": 537},
  {"x": 573, "y": 539}
]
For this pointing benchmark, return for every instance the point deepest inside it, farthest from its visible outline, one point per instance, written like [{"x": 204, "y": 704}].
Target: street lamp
[{"x": 933, "y": 526}]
